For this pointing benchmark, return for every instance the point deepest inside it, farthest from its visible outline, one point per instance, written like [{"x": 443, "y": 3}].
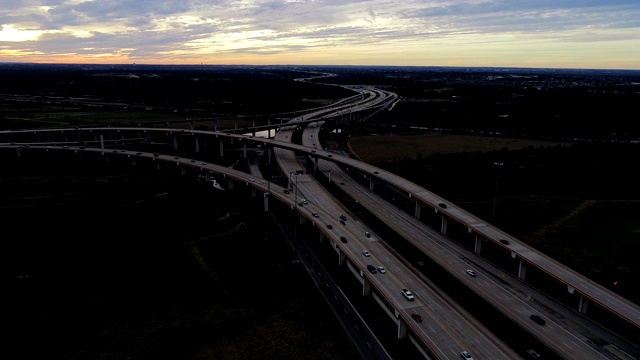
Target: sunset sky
[{"x": 596, "y": 34}]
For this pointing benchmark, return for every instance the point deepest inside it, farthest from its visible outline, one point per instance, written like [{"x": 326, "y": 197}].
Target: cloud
[{"x": 215, "y": 28}]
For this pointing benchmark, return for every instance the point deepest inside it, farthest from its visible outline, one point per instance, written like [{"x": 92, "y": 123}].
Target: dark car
[
  {"x": 443, "y": 205},
  {"x": 342, "y": 222},
  {"x": 329, "y": 226},
  {"x": 504, "y": 241},
  {"x": 416, "y": 317},
  {"x": 372, "y": 269},
  {"x": 343, "y": 239},
  {"x": 537, "y": 319},
  {"x": 343, "y": 218}
]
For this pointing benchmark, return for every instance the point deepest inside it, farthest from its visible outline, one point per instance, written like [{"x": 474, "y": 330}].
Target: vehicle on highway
[
  {"x": 471, "y": 272},
  {"x": 504, "y": 241},
  {"x": 366, "y": 233},
  {"x": 304, "y": 201},
  {"x": 366, "y": 253},
  {"x": 443, "y": 205},
  {"x": 342, "y": 222},
  {"x": 466, "y": 355},
  {"x": 381, "y": 270},
  {"x": 343, "y": 239},
  {"x": 372, "y": 269},
  {"x": 407, "y": 294},
  {"x": 537, "y": 319},
  {"x": 343, "y": 218},
  {"x": 315, "y": 214},
  {"x": 416, "y": 317},
  {"x": 329, "y": 226}
]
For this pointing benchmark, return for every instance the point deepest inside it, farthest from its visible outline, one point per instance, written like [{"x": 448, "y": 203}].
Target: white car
[
  {"x": 471, "y": 273},
  {"x": 366, "y": 253},
  {"x": 466, "y": 355},
  {"x": 304, "y": 201},
  {"x": 381, "y": 270},
  {"x": 407, "y": 294}
]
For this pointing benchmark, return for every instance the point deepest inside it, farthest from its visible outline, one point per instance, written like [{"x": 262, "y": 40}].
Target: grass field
[{"x": 375, "y": 149}]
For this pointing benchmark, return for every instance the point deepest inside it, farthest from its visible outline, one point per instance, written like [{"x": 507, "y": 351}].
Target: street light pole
[
  {"x": 498, "y": 164},
  {"x": 295, "y": 223}
]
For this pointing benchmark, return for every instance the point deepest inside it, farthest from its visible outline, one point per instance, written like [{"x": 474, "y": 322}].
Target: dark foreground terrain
[{"x": 113, "y": 264}]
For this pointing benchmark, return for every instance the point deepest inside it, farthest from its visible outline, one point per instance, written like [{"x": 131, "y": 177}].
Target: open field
[{"x": 380, "y": 148}]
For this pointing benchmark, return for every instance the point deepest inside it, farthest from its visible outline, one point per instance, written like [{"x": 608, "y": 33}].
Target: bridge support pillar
[
  {"x": 342, "y": 258},
  {"x": 443, "y": 226},
  {"x": 266, "y": 201},
  {"x": 230, "y": 184},
  {"x": 315, "y": 165},
  {"x": 417, "y": 211},
  {"x": 244, "y": 150},
  {"x": 478, "y": 245},
  {"x": 366, "y": 287},
  {"x": 522, "y": 270},
  {"x": 583, "y": 305},
  {"x": 402, "y": 329},
  {"x": 101, "y": 141},
  {"x": 269, "y": 152},
  {"x": 183, "y": 170},
  {"x": 175, "y": 142},
  {"x": 371, "y": 184},
  {"x": 197, "y": 145},
  {"x": 214, "y": 125},
  {"x": 254, "y": 193},
  {"x": 221, "y": 148}
]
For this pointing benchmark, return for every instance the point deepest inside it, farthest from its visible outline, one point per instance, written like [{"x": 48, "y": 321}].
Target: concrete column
[
  {"x": 221, "y": 148},
  {"x": 315, "y": 165},
  {"x": 215, "y": 125},
  {"x": 175, "y": 142},
  {"x": 244, "y": 150},
  {"x": 269, "y": 152},
  {"x": 417, "y": 211},
  {"x": 266, "y": 201},
  {"x": 522, "y": 270},
  {"x": 478, "y": 245},
  {"x": 253, "y": 192},
  {"x": 402, "y": 329},
  {"x": 583, "y": 305},
  {"x": 101, "y": 141},
  {"x": 253, "y": 123},
  {"x": 342, "y": 258},
  {"x": 443, "y": 226},
  {"x": 371, "y": 184},
  {"x": 197, "y": 145},
  {"x": 366, "y": 287},
  {"x": 230, "y": 184},
  {"x": 236, "y": 123},
  {"x": 183, "y": 170}
]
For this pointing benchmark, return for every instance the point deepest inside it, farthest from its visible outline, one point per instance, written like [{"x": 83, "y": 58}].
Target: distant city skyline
[{"x": 589, "y": 34}]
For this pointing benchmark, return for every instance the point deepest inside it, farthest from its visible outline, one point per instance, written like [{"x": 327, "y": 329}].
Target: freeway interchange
[{"x": 446, "y": 329}]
